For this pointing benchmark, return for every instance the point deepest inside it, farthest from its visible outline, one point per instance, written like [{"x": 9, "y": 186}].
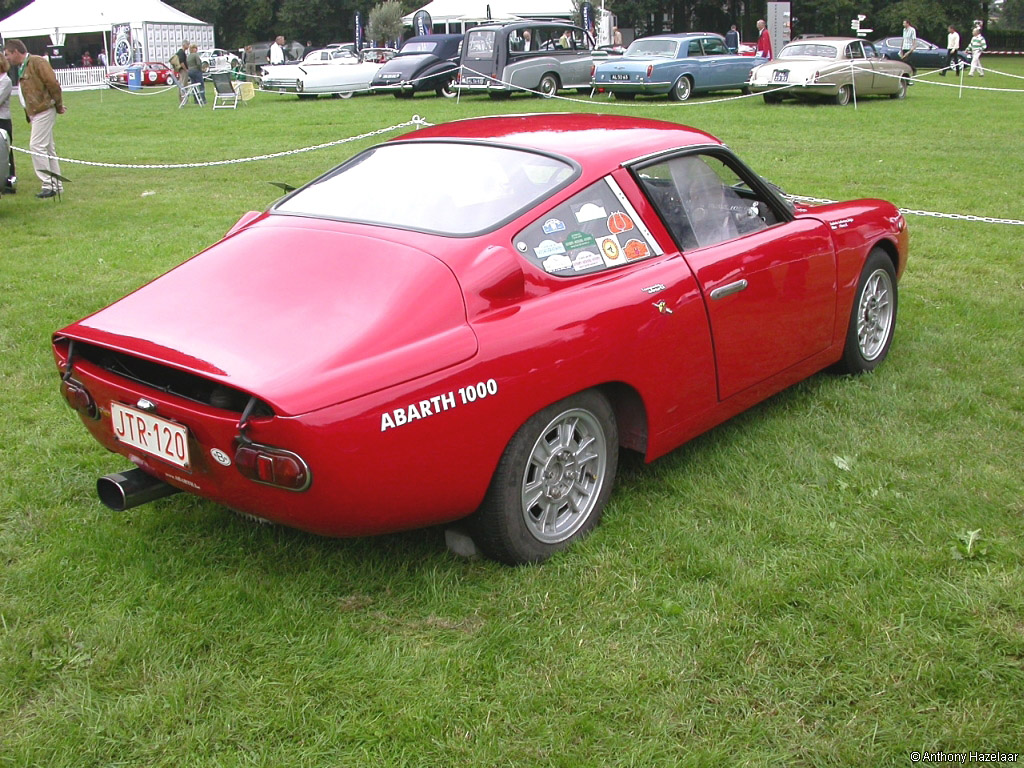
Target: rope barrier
[
  {"x": 416, "y": 120},
  {"x": 913, "y": 212}
]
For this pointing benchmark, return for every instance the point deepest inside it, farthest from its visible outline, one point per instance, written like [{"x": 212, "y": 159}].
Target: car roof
[
  {"x": 829, "y": 40},
  {"x": 588, "y": 139},
  {"x": 678, "y": 36}
]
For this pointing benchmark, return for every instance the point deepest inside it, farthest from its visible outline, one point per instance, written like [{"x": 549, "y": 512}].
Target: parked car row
[{"x": 501, "y": 59}]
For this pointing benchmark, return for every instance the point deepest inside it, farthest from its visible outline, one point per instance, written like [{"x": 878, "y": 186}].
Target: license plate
[
  {"x": 473, "y": 80},
  {"x": 618, "y": 77},
  {"x": 781, "y": 76},
  {"x": 150, "y": 434}
]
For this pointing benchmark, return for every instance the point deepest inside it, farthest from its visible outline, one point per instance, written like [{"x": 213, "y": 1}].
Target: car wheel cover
[
  {"x": 682, "y": 88},
  {"x": 548, "y": 86},
  {"x": 565, "y": 473},
  {"x": 875, "y": 314}
]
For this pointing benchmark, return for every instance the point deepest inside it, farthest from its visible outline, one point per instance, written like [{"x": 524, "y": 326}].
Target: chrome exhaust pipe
[{"x": 124, "y": 490}]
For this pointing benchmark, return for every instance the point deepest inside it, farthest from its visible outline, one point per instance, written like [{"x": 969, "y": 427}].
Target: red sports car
[
  {"x": 153, "y": 73},
  {"x": 479, "y": 341}
]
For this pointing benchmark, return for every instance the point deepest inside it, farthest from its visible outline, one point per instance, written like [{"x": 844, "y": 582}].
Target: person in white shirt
[
  {"x": 952, "y": 50},
  {"x": 909, "y": 39},
  {"x": 277, "y": 50}
]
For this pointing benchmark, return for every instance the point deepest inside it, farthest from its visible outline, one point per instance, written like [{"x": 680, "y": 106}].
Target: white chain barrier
[
  {"x": 415, "y": 121},
  {"x": 913, "y": 212}
]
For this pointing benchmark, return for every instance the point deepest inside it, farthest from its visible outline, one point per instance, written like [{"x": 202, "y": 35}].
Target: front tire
[
  {"x": 873, "y": 319},
  {"x": 552, "y": 482},
  {"x": 682, "y": 89},
  {"x": 901, "y": 92},
  {"x": 843, "y": 95}
]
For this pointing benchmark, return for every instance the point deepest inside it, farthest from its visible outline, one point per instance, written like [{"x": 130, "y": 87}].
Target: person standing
[
  {"x": 7, "y": 186},
  {"x": 277, "y": 50},
  {"x": 764, "y": 41},
  {"x": 43, "y": 101},
  {"x": 976, "y": 46},
  {"x": 909, "y": 40},
  {"x": 195, "y": 73},
  {"x": 181, "y": 67},
  {"x": 952, "y": 52},
  {"x": 101, "y": 59},
  {"x": 732, "y": 40}
]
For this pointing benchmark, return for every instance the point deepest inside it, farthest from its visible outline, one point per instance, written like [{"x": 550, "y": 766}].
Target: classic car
[
  {"x": 363, "y": 358},
  {"x": 924, "y": 56},
  {"x": 830, "y": 68},
  {"x": 283, "y": 77},
  {"x": 428, "y": 63},
  {"x": 677, "y": 65},
  {"x": 219, "y": 60},
  {"x": 153, "y": 73},
  {"x": 526, "y": 56},
  {"x": 344, "y": 76}
]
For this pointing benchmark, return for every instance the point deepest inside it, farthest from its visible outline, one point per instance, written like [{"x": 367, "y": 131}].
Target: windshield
[
  {"x": 444, "y": 187},
  {"x": 661, "y": 48},
  {"x": 813, "y": 50}
]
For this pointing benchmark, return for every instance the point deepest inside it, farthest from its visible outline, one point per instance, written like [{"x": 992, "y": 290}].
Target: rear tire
[
  {"x": 873, "y": 318},
  {"x": 447, "y": 90},
  {"x": 843, "y": 95},
  {"x": 682, "y": 89},
  {"x": 552, "y": 482},
  {"x": 548, "y": 86}
]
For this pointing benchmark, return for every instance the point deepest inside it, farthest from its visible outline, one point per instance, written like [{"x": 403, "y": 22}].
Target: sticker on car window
[
  {"x": 589, "y": 212},
  {"x": 601, "y": 213}
]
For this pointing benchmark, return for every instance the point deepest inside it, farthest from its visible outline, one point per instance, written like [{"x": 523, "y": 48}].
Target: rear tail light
[
  {"x": 593, "y": 71},
  {"x": 650, "y": 70},
  {"x": 78, "y": 397},
  {"x": 272, "y": 466}
]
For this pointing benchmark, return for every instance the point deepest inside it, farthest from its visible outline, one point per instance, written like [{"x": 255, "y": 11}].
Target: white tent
[
  {"x": 451, "y": 13},
  {"x": 68, "y": 17}
]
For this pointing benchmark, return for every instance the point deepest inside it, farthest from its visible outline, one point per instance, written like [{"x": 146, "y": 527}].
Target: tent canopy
[
  {"x": 61, "y": 17},
  {"x": 442, "y": 11}
]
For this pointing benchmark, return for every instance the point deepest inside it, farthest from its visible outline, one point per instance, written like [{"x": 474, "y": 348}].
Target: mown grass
[{"x": 833, "y": 578}]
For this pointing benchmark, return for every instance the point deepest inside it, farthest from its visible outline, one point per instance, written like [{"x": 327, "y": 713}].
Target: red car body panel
[{"x": 399, "y": 364}]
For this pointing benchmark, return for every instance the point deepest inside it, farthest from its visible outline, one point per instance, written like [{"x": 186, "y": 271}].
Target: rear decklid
[{"x": 302, "y": 313}]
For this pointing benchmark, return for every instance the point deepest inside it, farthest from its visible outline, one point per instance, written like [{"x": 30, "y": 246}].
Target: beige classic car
[{"x": 834, "y": 68}]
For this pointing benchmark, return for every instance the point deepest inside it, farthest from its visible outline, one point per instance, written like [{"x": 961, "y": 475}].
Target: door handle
[{"x": 728, "y": 290}]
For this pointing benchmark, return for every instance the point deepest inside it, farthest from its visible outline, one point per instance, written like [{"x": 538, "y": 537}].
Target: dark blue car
[
  {"x": 424, "y": 63},
  {"x": 678, "y": 65},
  {"x": 925, "y": 56}
]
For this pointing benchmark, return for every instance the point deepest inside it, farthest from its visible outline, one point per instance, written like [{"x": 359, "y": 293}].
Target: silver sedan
[{"x": 833, "y": 68}]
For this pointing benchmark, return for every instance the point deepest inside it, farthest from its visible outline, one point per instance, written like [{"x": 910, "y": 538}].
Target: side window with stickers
[{"x": 595, "y": 230}]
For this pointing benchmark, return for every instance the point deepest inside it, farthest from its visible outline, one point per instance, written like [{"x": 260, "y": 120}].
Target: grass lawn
[{"x": 833, "y": 578}]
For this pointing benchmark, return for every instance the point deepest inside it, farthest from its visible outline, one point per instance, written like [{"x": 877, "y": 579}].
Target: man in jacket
[
  {"x": 764, "y": 41},
  {"x": 43, "y": 101}
]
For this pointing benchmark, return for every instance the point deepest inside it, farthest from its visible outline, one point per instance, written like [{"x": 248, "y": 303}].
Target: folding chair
[
  {"x": 195, "y": 91},
  {"x": 225, "y": 96}
]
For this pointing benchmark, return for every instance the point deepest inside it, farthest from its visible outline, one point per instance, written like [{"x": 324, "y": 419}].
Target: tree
[{"x": 385, "y": 22}]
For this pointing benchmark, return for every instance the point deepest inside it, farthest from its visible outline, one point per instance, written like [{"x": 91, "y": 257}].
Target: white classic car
[
  {"x": 338, "y": 72},
  {"x": 830, "y": 68}
]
